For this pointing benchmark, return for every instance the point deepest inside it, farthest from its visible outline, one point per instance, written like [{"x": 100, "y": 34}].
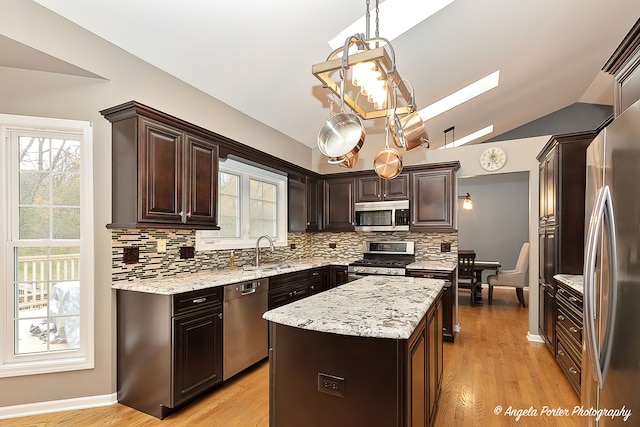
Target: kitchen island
[{"x": 366, "y": 353}]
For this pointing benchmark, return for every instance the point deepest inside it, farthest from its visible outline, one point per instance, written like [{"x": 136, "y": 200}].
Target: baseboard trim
[
  {"x": 57, "y": 406},
  {"x": 534, "y": 337}
]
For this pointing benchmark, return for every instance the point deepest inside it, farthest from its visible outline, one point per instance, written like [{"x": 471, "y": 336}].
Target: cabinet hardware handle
[
  {"x": 198, "y": 300},
  {"x": 290, "y": 294},
  {"x": 313, "y": 287},
  {"x": 188, "y": 214},
  {"x": 220, "y": 316},
  {"x": 308, "y": 223},
  {"x": 573, "y": 329},
  {"x": 183, "y": 217},
  {"x": 561, "y": 353},
  {"x": 561, "y": 318},
  {"x": 573, "y": 299},
  {"x": 573, "y": 370},
  {"x": 561, "y": 290}
]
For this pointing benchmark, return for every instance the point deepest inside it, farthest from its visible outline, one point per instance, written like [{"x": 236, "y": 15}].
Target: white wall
[{"x": 498, "y": 224}]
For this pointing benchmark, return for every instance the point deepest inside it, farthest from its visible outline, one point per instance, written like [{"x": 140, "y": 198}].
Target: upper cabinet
[
  {"x": 374, "y": 189},
  {"x": 164, "y": 170},
  {"x": 338, "y": 204},
  {"x": 305, "y": 213},
  {"x": 624, "y": 65},
  {"x": 433, "y": 201}
]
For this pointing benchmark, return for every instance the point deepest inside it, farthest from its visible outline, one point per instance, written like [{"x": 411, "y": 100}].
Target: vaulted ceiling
[{"x": 256, "y": 56}]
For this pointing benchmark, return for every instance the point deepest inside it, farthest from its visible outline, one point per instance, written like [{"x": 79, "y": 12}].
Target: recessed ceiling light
[
  {"x": 469, "y": 138},
  {"x": 461, "y": 96},
  {"x": 396, "y": 16}
]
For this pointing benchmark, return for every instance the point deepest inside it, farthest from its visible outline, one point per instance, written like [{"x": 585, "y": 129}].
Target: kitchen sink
[{"x": 266, "y": 267}]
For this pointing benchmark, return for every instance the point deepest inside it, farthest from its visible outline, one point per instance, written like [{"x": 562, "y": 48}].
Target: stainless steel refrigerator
[{"x": 611, "y": 341}]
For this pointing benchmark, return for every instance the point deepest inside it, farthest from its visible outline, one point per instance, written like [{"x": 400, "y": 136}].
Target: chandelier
[{"x": 363, "y": 75}]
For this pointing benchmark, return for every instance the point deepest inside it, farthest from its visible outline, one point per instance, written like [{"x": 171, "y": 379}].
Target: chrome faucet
[{"x": 258, "y": 248}]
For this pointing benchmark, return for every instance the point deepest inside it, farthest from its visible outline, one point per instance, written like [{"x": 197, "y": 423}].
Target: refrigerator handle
[{"x": 602, "y": 214}]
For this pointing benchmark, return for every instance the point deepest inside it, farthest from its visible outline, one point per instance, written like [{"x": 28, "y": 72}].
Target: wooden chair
[
  {"x": 516, "y": 278},
  {"x": 466, "y": 273}
]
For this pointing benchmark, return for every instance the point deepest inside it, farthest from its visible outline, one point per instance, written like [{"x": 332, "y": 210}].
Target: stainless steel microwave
[{"x": 392, "y": 215}]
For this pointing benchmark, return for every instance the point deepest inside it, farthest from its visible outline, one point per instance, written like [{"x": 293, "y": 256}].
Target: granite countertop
[
  {"x": 374, "y": 306},
  {"x": 433, "y": 265},
  {"x": 212, "y": 278},
  {"x": 574, "y": 281}
]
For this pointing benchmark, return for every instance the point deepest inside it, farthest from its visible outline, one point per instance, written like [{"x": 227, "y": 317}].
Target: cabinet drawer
[
  {"x": 429, "y": 274},
  {"x": 196, "y": 300},
  {"x": 573, "y": 300},
  {"x": 288, "y": 278},
  {"x": 572, "y": 328},
  {"x": 570, "y": 367}
]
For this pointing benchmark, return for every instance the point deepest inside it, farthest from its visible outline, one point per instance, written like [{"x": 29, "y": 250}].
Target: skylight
[
  {"x": 394, "y": 19},
  {"x": 463, "y": 95},
  {"x": 472, "y": 136}
]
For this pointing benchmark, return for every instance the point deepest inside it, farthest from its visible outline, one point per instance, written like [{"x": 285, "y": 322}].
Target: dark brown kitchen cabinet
[
  {"x": 169, "y": 348},
  {"x": 425, "y": 368},
  {"x": 374, "y": 189},
  {"x": 304, "y": 204},
  {"x": 433, "y": 201},
  {"x": 289, "y": 287},
  {"x": 569, "y": 325},
  {"x": 164, "y": 170},
  {"x": 338, "y": 204},
  {"x": 338, "y": 275},
  {"x": 561, "y": 220},
  {"x": 448, "y": 297}
]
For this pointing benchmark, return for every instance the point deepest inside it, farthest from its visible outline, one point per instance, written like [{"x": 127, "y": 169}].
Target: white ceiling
[{"x": 256, "y": 56}]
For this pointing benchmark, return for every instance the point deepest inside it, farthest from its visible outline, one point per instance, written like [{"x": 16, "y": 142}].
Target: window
[
  {"x": 46, "y": 225},
  {"x": 251, "y": 202}
]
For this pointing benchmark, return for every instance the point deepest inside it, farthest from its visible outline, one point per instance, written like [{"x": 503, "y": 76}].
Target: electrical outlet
[
  {"x": 331, "y": 384},
  {"x": 293, "y": 246},
  {"x": 332, "y": 245},
  {"x": 187, "y": 252},
  {"x": 162, "y": 245},
  {"x": 445, "y": 247},
  {"x": 131, "y": 255}
]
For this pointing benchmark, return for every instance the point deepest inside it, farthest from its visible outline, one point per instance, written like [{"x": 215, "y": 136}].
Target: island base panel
[{"x": 370, "y": 367}]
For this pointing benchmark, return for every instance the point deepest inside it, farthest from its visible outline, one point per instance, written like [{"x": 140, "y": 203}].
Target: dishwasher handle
[{"x": 248, "y": 291}]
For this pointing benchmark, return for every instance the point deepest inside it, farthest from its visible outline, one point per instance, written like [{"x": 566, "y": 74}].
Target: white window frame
[
  {"x": 209, "y": 240},
  {"x": 12, "y": 364}
]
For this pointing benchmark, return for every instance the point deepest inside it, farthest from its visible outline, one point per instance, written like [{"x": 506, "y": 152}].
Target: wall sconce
[{"x": 467, "y": 203}]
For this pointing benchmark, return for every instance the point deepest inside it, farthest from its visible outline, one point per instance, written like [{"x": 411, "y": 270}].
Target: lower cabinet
[
  {"x": 289, "y": 287},
  {"x": 425, "y": 368},
  {"x": 569, "y": 324},
  {"x": 448, "y": 298},
  {"x": 169, "y": 348},
  {"x": 337, "y": 276}
]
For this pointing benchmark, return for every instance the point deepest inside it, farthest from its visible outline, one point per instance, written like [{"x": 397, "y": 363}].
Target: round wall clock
[{"x": 493, "y": 159}]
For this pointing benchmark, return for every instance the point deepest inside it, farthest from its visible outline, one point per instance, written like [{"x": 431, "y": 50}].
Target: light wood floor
[{"x": 490, "y": 364}]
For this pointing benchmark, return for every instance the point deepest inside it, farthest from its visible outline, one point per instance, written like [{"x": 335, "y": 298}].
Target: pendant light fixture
[{"x": 363, "y": 75}]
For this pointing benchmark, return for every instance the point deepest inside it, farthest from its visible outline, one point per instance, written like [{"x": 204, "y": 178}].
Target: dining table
[{"x": 478, "y": 267}]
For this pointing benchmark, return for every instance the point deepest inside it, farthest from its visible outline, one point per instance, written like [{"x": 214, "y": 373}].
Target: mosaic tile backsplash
[{"x": 348, "y": 246}]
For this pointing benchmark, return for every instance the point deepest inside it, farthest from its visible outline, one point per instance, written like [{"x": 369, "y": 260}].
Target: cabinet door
[
  {"x": 432, "y": 201},
  {"x": 338, "y": 204},
  {"x": 432, "y": 375},
  {"x": 314, "y": 204},
  {"x": 418, "y": 385},
  {"x": 368, "y": 189},
  {"x": 197, "y": 353},
  {"x": 297, "y": 201},
  {"x": 160, "y": 173},
  {"x": 396, "y": 188},
  {"x": 551, "y": 190},
  {"x": 201, "y": 181},
  {"x": 550, "y": 319}
]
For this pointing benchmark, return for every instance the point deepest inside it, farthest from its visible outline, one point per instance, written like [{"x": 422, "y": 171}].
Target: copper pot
[
  {"x": 410, "y": 133},
  {"x": 388, "y": 163}
]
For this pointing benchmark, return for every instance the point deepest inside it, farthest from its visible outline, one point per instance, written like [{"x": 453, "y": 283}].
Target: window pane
[
  {"x": 255, "y": 228},
  {"x": 269, "y": 227},
  {"x": 268, "y": 210},
  {"x": 229, "y": 227},
  {"x": 255, "y": 189},
  {"x": 228, "y": 184},
  {"x": 228, "y": 205},
  {"x": 34, "y": 153},
  {"x": 34, "y": 188},
  {"x": 255, "y": 208},
  {"x": 66, "y": 223},
  {"x": 47, "y": 298},
  {"x": 268, "y": 192},
  {"x": 65, "y": 155},
  {"x": 34, "y": 223},
  {"x": 66, "y": 189}
]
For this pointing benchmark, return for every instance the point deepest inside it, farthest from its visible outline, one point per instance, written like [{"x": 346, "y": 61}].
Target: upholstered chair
[{"x": 517, "y": 278}]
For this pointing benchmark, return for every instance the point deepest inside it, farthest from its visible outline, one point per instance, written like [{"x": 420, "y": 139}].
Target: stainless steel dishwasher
[{"x": 245, "y": 336}]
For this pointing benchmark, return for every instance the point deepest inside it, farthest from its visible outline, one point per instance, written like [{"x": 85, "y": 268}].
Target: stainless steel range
[{"x": 388, "y": 258}]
